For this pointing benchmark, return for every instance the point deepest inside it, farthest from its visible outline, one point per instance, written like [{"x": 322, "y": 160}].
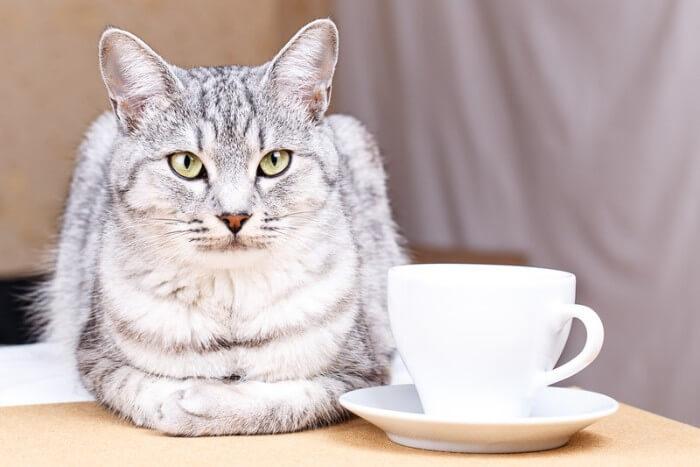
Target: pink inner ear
[
  {"x": 318, "y": 96},
  {"x": 132, "y": 106}
]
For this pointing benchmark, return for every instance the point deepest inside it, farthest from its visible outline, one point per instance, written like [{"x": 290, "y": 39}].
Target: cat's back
[
  {"x": 88, "y": 190},
  {"x": 99, "y": 138},
  {"x": 359, "y": 154},
  {"x": 364, "y": 179},
  {"x": 377, "y": 242},
  {"x": 65, "y": 303}
]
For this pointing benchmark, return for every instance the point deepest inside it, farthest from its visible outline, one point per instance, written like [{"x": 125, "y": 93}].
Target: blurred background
[{"x": 559, "y": 133}]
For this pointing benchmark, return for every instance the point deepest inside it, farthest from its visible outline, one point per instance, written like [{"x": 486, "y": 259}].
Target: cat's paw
[
  {"x": 207, "y": 400},
  {"x": 171, "y": 419},
  {"x": 202, "y": 409}
]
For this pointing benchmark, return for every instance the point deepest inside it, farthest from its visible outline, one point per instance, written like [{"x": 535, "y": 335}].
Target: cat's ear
[
  {"x": 303, "y": 69},
  {"x": 137, "y": 78}
]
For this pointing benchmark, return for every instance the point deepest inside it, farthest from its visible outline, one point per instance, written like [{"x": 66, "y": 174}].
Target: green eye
[
  {"x": 274, "y": 163},
  {"x": 186, "y": 164}
]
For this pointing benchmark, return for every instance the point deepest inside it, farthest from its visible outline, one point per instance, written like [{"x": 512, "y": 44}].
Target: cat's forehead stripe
[
  {"x": 226, "y": 101},
  {"x": 199, "y": 138}
]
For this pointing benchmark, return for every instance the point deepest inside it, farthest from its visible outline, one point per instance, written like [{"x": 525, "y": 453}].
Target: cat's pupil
[
  {"x": 274, "y": 158},
  {"x": 187, "y": 162}
]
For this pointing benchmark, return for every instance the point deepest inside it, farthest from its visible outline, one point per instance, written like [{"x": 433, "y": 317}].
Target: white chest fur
[{"x": 290, "y": 317}]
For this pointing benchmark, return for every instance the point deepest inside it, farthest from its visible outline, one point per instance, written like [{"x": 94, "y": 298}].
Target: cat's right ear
[
  {"x": 137, "y": 78},
  {"x": 303, "y": 70}
]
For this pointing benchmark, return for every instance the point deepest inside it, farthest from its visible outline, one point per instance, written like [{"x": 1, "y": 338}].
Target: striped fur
[{"x": 178, "y": 324}]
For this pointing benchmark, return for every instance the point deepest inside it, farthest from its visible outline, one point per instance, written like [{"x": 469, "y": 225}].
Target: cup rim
[{"x": 528, "y": 275}]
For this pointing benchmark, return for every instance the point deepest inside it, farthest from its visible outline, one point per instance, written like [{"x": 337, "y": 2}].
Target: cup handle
[{"x": 594, "y": 341}]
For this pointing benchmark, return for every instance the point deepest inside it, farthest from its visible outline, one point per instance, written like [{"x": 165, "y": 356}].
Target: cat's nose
[{"x": 234, "y": 222}]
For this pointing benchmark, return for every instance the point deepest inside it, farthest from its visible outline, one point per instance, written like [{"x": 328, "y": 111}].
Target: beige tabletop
[{"x": 85, "y": 434}]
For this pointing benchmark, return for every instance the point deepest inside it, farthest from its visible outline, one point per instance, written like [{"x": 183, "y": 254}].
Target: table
[{"x": 84, "y": 434}]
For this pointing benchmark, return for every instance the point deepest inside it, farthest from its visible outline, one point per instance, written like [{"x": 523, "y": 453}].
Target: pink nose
[{"x": 234, "y": 222}]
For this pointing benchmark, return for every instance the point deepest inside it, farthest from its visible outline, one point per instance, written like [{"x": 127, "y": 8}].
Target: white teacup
[{"x": 481, "y": 340}]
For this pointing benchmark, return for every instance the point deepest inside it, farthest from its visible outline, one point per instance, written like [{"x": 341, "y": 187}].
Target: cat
[{"x": 222, "y": 261}]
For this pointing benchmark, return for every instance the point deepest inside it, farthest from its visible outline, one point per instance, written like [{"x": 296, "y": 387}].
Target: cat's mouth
[{"x": 229, "y": 243}]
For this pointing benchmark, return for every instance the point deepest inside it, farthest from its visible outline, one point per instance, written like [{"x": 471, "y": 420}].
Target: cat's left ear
[
  {"x": 303, "y": 70},
  {"x": 137, "y": 78}
]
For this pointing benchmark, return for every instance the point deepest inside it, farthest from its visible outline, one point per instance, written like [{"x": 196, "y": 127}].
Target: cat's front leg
[
  {"x": 130, "y": 392},
  {"x": 248, "y": 407}
]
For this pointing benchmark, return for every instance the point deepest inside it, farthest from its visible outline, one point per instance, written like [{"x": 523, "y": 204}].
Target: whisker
[
  {"x": 269, "y": 218},
  {"x": 186, "y": 231},
  {"x": 169, "y": 219}
]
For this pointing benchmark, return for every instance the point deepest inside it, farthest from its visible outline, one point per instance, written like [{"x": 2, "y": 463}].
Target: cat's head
[{"x": 212, "y": 162}]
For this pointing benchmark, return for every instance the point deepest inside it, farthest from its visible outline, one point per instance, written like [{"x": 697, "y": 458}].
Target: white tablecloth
[{"x": 38, "y": 374}]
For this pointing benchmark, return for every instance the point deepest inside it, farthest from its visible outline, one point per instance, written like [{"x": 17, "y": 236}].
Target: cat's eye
[
  {"x": 186, "y": 165},
  {"x": 274, "y": 163}
]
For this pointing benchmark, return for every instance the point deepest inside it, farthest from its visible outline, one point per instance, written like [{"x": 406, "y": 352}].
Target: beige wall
[{"x": 50, "y": 87}]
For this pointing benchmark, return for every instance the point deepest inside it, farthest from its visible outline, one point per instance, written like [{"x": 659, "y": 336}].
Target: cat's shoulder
[
  {"x": 352, "y": 137},
  {"x": 99, "y": 137}
]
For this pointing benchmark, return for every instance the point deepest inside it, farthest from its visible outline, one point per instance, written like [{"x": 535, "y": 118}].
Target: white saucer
[{"x": 558, "y": 413}]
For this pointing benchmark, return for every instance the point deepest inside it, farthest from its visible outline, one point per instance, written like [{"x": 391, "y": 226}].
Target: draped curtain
[{"x": 567, "y": 130}]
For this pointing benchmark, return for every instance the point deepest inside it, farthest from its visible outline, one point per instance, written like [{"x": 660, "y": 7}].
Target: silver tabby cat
[{"x": 222, "y": 260}]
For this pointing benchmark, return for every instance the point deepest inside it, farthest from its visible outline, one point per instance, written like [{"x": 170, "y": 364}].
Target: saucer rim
[{"x": 424, "y": 418}]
